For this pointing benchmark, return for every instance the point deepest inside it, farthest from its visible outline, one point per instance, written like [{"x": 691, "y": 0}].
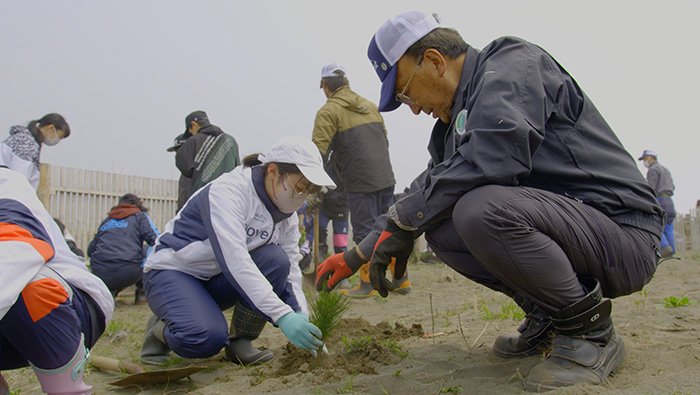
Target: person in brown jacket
[{"x": 352, "y": 137}]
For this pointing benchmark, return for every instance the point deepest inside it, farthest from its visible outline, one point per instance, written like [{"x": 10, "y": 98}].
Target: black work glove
[{"x": 393, "y": 243}]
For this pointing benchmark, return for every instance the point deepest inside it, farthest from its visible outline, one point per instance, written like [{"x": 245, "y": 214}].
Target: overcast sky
[{"x": 126, "y": 73}]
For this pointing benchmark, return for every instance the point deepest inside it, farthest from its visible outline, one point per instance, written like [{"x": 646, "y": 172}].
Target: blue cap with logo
[{"x": 389, "y": 44}]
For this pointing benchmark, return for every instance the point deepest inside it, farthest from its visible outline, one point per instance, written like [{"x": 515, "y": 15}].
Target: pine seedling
[{"x": 326, "y": 311}]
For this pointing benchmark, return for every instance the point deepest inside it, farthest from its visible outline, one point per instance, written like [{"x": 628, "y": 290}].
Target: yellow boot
[
  {"x": 402, "y": 286},
  {"x": 364, "y": 289}
]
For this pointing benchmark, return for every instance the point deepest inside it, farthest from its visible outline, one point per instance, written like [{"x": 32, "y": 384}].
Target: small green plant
[
  {"x": 172, "y": 362},
  {"x": 672, "y": 301},
  {"x": 327, "y": 309},
  {"x": 360, "y": 344},
  {"x": 453, "y": 390},
  {"x": 397, "y": 373},
  {"x": 395, "y": 348},
  {"x": 641, "y": 303},
  {"x": 508, "y": 310},
  {"x": 347, "y": 386}
]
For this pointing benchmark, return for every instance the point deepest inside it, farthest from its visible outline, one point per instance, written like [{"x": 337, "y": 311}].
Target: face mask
[
  {"x": 647, "y": 163},
  {"x": 285, "y": 199},
  {"x": 52, "y": 141}
]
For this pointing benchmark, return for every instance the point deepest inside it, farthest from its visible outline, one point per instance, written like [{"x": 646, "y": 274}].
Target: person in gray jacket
[
  {"x": 528, "y": 191},
  {"x": 659, "y": 177}
]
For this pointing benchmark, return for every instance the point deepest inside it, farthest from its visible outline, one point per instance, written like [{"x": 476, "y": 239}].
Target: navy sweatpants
[{"x": 195, "y": 326}]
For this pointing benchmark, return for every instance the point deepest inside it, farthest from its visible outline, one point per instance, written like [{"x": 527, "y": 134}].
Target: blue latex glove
[{"x": 300, "y": 331}]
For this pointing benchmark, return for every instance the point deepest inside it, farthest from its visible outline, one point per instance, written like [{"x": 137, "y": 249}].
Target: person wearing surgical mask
[
  {"x": 21, "y": 150},
  {"x": 235, "y": 244}
]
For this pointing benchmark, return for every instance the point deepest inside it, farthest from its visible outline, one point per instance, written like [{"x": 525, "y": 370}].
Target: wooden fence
[
  {"x": 687, "y": 231},
  {"x": 81, "y": 198}
]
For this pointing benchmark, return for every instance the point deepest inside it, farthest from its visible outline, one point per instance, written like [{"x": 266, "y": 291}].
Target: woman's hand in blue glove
[{"x": 300, "y": 331}]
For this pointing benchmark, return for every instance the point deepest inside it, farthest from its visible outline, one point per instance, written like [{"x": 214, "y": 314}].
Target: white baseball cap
[
  {"x": 648, "y": 152},
  {"x": 303, "y": 153},
  {"x": 389, "y": 44},
  {"x": 330, "y": 69}
]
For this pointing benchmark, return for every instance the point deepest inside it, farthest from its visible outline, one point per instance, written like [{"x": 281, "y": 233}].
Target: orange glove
[{"x": 336, "y": 268}]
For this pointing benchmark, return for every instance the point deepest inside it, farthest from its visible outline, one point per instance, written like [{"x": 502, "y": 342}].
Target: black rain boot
[
  {"x": 155, "y": 350},
  {"x": 246, "y": 326},
  {"x": 322, "y": 252},
  {"x": 586, "y": 348},
  {"x": 140, "y": 294},
  {"x": 536, "y": 333}
]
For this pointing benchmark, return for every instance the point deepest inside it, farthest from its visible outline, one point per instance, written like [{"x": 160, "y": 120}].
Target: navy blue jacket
[
  {"x": 120, "y": 237},
  {"x": 519, "y": 119}
]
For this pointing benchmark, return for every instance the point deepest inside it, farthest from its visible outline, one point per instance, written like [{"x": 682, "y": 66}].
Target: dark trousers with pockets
[{"x": 539, "y": 244}]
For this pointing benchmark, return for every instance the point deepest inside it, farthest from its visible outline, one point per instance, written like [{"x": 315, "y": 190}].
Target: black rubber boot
[
  {"x": 586, "y": 348},
  {"x": 666, "y": 251},
  {"x": 246, "y": 326},
  {"x": 155, "y": 350},
  {"x": 322, "y": 252},
  {"x": 139, "y": 294},
  {"x": 536, "y": 333}
]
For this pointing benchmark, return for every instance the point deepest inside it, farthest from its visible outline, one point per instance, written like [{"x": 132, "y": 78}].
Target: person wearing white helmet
[{"x": 235, "y": 243}]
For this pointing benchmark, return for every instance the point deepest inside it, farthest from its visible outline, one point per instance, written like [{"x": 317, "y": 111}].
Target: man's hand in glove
[
  {"x": 394, "y": 242},
  {"x": 336, "y": 268}
]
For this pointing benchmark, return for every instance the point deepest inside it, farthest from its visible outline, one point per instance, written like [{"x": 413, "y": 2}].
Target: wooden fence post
[{"x": 44, "y": 190}]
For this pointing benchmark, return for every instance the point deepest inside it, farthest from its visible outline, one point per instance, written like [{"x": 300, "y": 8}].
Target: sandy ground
[{"x": 385, "y": 350}]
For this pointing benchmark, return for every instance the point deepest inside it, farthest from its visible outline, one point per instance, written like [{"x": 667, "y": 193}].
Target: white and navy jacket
[
  {"x": 216, "y": 229},
  {"x": 30, "y": 239}
]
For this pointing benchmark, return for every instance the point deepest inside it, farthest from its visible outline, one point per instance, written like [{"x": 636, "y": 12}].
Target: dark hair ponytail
[
  {"x": 285, "y": 168},
  {"x": 54, "y": 119},
  {"x": 251, "y": 160}
]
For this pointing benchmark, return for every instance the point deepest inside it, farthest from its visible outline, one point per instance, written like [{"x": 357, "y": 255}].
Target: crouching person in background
[
  {"x": 52, "y": 309},
  {"x": 235, "y": 243},
  {"x": 117, "y": 251}
]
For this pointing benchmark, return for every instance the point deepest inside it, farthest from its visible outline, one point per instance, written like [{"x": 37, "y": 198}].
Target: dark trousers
[
  {"x": 365, "y": 208},
  {"x": 539, "y": 244},
  {"x": 195, "y": 326},
  {"x": 668, "y": 237},
  {"x": 119, "y": 276}
]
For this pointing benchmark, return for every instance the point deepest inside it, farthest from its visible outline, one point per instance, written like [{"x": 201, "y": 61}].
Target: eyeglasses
[
  {"x": 303, "y": 190},
  {"x": 403, "y": 97}
]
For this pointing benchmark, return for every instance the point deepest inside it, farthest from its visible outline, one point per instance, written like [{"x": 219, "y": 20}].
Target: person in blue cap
[{"x": 528, "y": 191}]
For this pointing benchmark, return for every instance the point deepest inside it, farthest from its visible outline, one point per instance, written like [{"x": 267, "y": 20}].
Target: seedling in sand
[
  {"x": 360, "y": 344},
  {"x": 672, "y": 301},
  {"x": 640, "y": 304},
  {"x": 508, "y": 310},
  {"x": 326, "y": 311},
  {"x": 395, "y": 348}
]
